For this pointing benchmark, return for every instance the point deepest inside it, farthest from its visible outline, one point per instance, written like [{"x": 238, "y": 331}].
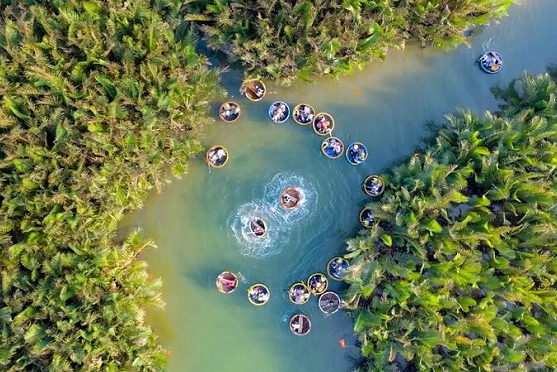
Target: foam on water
[{"x": 280, "y": 221}]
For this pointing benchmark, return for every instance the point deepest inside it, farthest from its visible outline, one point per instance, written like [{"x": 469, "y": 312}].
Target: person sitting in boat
[
  {"x": 279, "y": 112},
  {"x": 289, "y": 200},
  {"x": 262, "y": 296},
  {"x": 491, "y": 61},
  {"x": 374, "y": 186},
  {"x": 213, "y": 157},
  {"x": 228, "y": 283},
  {"x": 220, "y": 157},
  {"x": 494, "y": 64},
  {"x": 367, "y": 217},
  {"x": 317, "y": 283},
  {"x": 337, "y": 268},
  {"x": 336, "y": 145},
  {"x": 303, "y": 114},
  {"x": 322, "y": 124},
  {"x": 362, "y": 154},
  {"x": 256, "y": 89},
  {"x": 300, "y": 295},
  {"x": 257, "y": 230},
  {"x": 374, "y": 189},
  {"x": 259, "y": 295},
  {"x": 229, "y": 112},
  {"x": 358, "y": 153},
  {"x": 354, "y": 152}
]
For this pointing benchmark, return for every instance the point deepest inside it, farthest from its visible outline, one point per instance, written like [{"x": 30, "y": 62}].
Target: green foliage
[
  {"x": 100, "y": 99},
  {"x": 468, "y": 281},
  {"x": 286, "y": 39}
]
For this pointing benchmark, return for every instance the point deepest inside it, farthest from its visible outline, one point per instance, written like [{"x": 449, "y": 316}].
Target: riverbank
[{"x": 386, "y": 109}]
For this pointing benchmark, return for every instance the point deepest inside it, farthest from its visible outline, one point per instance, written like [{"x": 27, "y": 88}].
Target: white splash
[{"x": 280, "y": 221}]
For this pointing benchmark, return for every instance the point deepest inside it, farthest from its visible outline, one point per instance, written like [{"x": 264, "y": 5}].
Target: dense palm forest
[
  {"x": 102, "y": 99},
  {"x": 283, "y": 39},
  {"x": 458, "y": 273},
  {"x": 99, "y": 100}
]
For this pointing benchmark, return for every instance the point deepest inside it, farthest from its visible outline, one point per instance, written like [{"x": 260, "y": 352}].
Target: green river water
[{"x": 196, "y": 221}]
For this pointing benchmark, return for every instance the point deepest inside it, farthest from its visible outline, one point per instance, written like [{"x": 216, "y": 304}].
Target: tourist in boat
[
  {"x": 227, "y": 282},
  {"x": 304, "y": 114},
  {"x": 301, "y": 295},
  {"x": 317, "y": 283},
  {"x": 329, "y": 302},
  {"x": 296, "y": 325},
  {"x": 220, "y": 156},
  {"x": 374, "y": 185},
  {"x": 373, "y": 188},
  {"x": 257, "y": 228},
  {"x": 258, "y": 294},
  {"x": 338, "y": 267},
  {"x": 259, "y": 92},
  {"x": 332, "y": 147},
  {"x": 229, "y": 111},
  {"x": 356, "y": 153},
  {"x": 367, "y": 218},
  {"x": 491, "y": 62},
  {"x": 300, "y": 325},
  {"x": 279, "y": 112},
  {"x": 217, "y": 156},
  {"x": 298, "y": 293},
  {"x": 290, "y": 198},
  {"x": 253, "y": 89},
  {"x": 322, "y": 124}
]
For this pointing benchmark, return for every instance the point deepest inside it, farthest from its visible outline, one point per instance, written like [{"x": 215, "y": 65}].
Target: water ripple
[{"x": 280, "y": 221}]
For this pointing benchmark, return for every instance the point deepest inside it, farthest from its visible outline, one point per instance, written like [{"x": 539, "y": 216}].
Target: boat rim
[
  {"x": 329, "y": 265},
  {"x": 287, "y": 114},
  {"x": 361, "y": 218},
  {"x": 326, "y": 283},
  {"x": 323, "y": 149},
  {"x": 216, "y": 147},
  {"x": 224, "y": 273},
  {"x": 370, "y": 177},
  {"x": 332, "y": 124},
  {"x": 302, "y": 316},
  {"x": 294, "y": 116},
  {"x": 294, "y": 285},
  {"x": 264, "y": 90},
  {"x": 258, "y": 285},
  {"x": 237, "y": 117}
]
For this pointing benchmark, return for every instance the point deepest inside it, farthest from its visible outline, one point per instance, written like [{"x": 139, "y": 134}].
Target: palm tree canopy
[{"x": 466, "y": 279}]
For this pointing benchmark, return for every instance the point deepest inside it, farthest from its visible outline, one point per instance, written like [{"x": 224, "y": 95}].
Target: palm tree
[
  {"x": 468, "y": 281},
  {"x": 100, "y": 99}
]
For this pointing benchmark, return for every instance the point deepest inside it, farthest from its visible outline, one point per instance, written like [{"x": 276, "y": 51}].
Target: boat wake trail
[{"x": 280, "y": 221}]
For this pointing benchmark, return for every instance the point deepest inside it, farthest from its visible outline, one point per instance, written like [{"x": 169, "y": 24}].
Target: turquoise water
[{"x": 197, "y": 222}]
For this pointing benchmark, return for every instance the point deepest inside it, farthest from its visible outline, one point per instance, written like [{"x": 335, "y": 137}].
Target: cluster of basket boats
[
  {"x": 317, "y": 284},
  {"x": 322, "y": 123},
  {"x": 299, "y": 293}
]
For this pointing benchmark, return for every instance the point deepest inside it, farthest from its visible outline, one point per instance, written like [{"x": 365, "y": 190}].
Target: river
[{"x": 195, "y": 221}]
